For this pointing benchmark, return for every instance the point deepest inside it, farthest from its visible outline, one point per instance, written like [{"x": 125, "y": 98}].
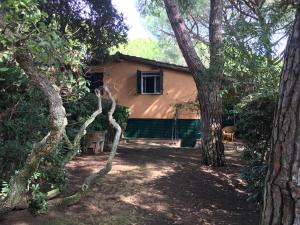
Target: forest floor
[{"x": 153, "y": 185}]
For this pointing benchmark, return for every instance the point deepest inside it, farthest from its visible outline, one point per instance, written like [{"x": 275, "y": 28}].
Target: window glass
[{"x": 150, "y": 83}]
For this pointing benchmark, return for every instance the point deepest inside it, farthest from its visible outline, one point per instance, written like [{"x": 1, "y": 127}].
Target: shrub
[
  {"x": 22, "y": 122},
  {"x": 53, "y": 172},
  {"x": 39, "y": 201},
  {"x": 254, "y": 174},
  {"x": 255, "y": 127},
  {"x": 255, "y": 123},
  {"x": 79, "y": 111}
]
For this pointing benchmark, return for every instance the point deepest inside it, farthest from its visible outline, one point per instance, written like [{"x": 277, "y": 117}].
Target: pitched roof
[{"x": 120, "y": 56}]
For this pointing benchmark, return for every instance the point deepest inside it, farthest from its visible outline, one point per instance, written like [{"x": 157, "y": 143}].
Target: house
[{"x": 160, "y": 97}]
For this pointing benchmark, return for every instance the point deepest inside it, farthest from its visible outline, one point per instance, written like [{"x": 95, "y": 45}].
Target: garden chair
[
  {"x": 228, "y": 133},
  {"x": 94, "y": 141}
]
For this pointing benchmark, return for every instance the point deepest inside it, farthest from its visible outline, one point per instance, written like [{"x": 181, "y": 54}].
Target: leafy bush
[
  {"x": 255, "y": 123},
  {"x": 255, "y": 127},
  {"x": 79, "y": 111},
  {"x": 39, "y": 201},
  {"x": 53, "y": 172},
  {"x": 21, "y": 122},
  {"x": 254, "y": 174}
]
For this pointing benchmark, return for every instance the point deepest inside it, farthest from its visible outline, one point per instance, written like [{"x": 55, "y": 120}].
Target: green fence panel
[{"x": 188, "y": 130}]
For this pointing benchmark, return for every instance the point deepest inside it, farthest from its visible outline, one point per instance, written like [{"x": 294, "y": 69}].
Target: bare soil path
[{"x": 153, "y": 186}]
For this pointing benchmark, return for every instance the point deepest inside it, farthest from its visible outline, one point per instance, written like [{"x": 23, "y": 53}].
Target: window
[
  {"x": 150, "y": 82},
  {"x": 96, "y": 81}
]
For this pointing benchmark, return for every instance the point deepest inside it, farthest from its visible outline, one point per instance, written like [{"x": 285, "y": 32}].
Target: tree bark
[
  {"x": 282, "y": 189},
  {"x": 208, "y": 81},
  {"x": 212, "y": 146},
  {"x": 18, "y": 184},
  {"x": 90, "y": 180}
]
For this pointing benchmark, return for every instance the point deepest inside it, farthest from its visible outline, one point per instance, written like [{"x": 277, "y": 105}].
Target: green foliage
[
  {"x": 146, "y": 48},
  {"x": 97, "y": 24},
  {"x": 79, "y": 111},
  {"x": 39, "y": 201},
  {"x": 255, "y": 122},
  {"x": 255, "y": 127},
  {"x": 22, "y": 123},
  {"x": 53, "y": 171},
  {"x": 156, "y": 20},
  {"x": 259, "y": 31},
  {"x": 121, "y": 115},
  {"x": 254, "y": 42},
  {"x": 161, "y": 50},
  {"x": 4, "y": 190},
  {"x": 247, "y": 76},
  {"x": 254, "y": 174},
  {"x": 58, "y": 56}
]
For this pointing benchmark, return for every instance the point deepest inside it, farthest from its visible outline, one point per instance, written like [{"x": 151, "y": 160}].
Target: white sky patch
[
  {"x": 281, "y": 45},
  {"x": 132, "y": 19}
]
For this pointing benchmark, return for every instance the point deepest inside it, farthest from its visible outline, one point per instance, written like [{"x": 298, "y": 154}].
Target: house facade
[{"x": 160, "y": 97}]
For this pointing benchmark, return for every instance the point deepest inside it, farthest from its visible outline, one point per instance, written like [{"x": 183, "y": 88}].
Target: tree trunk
[
  {"x": 282, "y": 190},
  {"x": 208, "y": 81},
  {"x": 212, "y": 147},
  {"x": 18, "y": 184}
]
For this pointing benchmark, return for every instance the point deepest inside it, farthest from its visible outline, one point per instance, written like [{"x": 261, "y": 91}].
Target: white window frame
[{"x": 150, "y": 74}]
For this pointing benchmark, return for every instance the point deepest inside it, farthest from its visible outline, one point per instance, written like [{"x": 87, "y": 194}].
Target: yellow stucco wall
[{"x": 179, "y": 87}]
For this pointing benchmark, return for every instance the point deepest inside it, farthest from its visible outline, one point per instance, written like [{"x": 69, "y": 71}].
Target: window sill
[{"x": 151, "y": 93}]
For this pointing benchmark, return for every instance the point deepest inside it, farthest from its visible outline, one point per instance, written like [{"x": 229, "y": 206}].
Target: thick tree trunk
[
  {"x": 208, "y": 81},
  {"x": 18, "y": 184},
  {"x": 282, "y": 190},
  {"x": 212, "y": 147}
]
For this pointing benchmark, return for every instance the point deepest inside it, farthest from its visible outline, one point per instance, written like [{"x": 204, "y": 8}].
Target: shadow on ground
[{"x": 153, "y": 186}]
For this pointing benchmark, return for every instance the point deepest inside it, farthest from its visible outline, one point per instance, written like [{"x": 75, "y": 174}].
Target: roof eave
[{"x": 155, "y": 63}]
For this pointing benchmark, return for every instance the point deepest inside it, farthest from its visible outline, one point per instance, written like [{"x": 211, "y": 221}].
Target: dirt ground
[{"x": 151, "y": 185}]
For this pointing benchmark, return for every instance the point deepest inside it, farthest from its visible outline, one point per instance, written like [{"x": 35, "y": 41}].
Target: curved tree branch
[
  {"x": 75, "y": 146},
  {"x": 90, "y": 180}
]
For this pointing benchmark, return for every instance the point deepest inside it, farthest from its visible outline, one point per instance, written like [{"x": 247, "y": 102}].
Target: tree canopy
[
  {"x": 151, "y": 49},
  {"x": 95, "y": 23}
]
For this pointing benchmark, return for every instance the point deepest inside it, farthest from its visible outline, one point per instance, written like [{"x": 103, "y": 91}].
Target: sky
[{"x": 132, "y": 18}]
